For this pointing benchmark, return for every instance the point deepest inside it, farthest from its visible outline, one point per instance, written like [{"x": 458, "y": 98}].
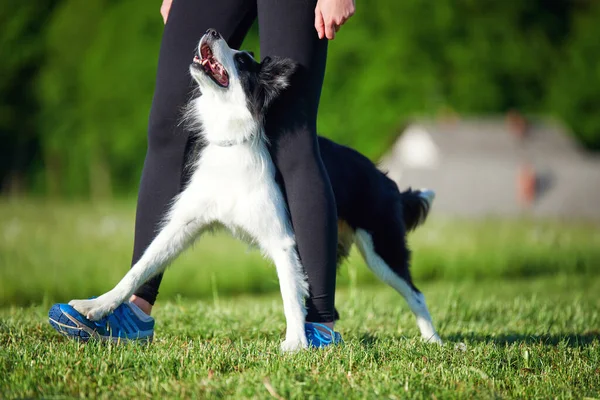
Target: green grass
[
  {"x": 58, "y": 251},
  {"x": 522, "y": 339},
  {"x": 516, "y": 302}
]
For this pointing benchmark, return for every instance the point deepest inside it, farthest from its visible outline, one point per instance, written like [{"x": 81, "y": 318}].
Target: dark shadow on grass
[
  {"x": 573, "y": 340},
  {"x": 570, "y": 339},
  {"x": 367, "y": 340}
]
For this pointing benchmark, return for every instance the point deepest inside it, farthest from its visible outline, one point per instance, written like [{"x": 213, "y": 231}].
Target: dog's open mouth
[{"x": 207, "y": 61}]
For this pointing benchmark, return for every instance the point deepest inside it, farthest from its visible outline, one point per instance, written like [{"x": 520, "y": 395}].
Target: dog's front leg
[
  {"x": 182, "y": 228},
  {"x": 273, "y": 231},
  {"x": 294, "y": 290}
]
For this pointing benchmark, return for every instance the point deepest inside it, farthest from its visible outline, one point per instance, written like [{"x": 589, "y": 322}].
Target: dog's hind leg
[
  {"x": 182, "y": 227},
  {"x": 397, "y": 275}
]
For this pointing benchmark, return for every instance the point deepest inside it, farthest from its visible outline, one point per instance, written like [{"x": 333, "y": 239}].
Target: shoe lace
[
  {"x": 116, "y": 316},
  {"x": 316, "y": 335}
]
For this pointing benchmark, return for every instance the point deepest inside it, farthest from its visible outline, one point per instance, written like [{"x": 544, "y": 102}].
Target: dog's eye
[{"x": 244, "y": 58}]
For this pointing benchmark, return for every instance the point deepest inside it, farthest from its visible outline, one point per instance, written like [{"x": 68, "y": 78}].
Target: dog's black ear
[{"x": 275, "y": 75}]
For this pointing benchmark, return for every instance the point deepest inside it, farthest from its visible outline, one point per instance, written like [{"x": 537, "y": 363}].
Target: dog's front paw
[
  {"x": 293, "y": 345},
  {"x": 93, "y": 309},
  {"x": 434, "y": 339}
]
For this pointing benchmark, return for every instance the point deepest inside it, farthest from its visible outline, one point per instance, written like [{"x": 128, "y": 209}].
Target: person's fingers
[
  {"x": 337, "y": 28},
  {"x": 350, "y": 12},
  {"x": 164, "y": 9},
  {"x": 341, "y": 19},
  {"x": 319, "y": 23},
  {"x": 330, "y": 30}
]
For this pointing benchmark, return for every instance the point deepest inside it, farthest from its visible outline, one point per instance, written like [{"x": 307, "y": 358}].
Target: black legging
[{"x": 286, "y": 29}]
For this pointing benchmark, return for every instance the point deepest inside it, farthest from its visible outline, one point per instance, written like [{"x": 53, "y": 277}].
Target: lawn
[
  {"x": 515, "y": 301},
  {"x": 526, "y": 339},
  {"x": 76, "y": 250}
]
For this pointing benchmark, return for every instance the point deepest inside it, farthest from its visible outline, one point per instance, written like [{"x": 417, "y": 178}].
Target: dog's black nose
[{"x": 213, "y": 33}]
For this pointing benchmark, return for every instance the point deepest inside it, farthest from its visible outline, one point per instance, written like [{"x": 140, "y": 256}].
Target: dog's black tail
[{"x": 415, "y": 206}]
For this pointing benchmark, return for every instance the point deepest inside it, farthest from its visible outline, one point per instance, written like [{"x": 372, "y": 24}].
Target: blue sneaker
[
  {"x": 126, "y": 323},
  {"x": 322, "y": 337}
]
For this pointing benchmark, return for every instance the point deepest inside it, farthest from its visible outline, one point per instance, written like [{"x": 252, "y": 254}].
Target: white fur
[
  {"x": 233, "y": 186},
  {"x": 415, "y": 300}
]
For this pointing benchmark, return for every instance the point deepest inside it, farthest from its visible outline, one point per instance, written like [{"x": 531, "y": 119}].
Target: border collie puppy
[{"x": 233, "y": 185}]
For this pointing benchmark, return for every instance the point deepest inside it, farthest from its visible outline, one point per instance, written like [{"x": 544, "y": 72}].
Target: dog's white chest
[
  {"x": 234, "y": 183},
  {"x": 241, "y": 166}
]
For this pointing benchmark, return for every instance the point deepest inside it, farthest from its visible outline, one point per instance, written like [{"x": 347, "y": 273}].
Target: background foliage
[{"x": 77, "y": 79}]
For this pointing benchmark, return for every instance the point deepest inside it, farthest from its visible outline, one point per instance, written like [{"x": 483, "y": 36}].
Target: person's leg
[
  {"x": 162, "y": 176},
  {"x": 287, "y": 30},
  {"x": 163, "y": 173}
]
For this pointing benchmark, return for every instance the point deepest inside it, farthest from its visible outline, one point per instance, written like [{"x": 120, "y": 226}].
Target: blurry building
[{"x": 498, "y": 166}]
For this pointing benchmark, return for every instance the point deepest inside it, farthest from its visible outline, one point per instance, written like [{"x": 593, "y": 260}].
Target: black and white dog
[{"x": 233, "y": 185}]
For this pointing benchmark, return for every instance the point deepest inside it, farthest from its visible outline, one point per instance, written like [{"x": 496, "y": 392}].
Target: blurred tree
[
  {"x": 574, "y": 93},
  {"x": 65, "y": 144},
  {"x": 22, "y": 55},
  {"x": 415, "y": 57},
  {"x": 96, "y": 93},
  {"x": 115, "y": 109},
  {"x": 93, "y": 74}
]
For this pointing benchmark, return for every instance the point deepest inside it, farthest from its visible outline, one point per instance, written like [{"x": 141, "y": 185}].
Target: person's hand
[
  {"x": 164, "y": 9},
  {"x": 330, "y": 15}
]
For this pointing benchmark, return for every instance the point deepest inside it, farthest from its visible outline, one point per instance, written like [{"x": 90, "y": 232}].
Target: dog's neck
[
  {"x": 226, "y": 124},
  {"x": 253, "y": 140},
  {"x": 229, "y": 143}
]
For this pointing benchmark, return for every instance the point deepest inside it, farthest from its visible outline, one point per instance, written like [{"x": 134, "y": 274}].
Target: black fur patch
[{"x": 263, "y": 82}]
